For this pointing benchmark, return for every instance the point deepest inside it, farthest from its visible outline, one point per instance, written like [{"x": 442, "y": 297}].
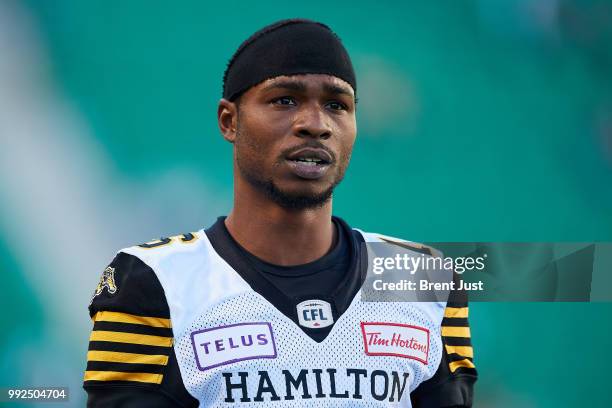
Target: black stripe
[
  {"x": 457, "y": 357},
  {"x": 133, "y": 328},
  {"x": 129, "y": 348},
  {"x": 465, "y": 370},
  {"x": 455, "y": 321},
  {"x": 454, "y": 303},
  {"x": 457, "y": 341},
  {"x": 125, "y": 367}
]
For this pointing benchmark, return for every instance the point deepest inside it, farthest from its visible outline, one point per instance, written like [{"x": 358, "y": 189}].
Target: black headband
[{"x": 287, "y": 47}]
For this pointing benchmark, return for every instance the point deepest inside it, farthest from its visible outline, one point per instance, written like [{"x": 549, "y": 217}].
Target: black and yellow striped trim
[
  {"x": 125, "y": 347},
  {"x": 132, "y": 338},
  {"x": 118, "y": 317},
  {"x": 119, "y": 357},
  {"x": 456, "y": 312},
  {"x": 466, "y": 351},
  {"x": 121, "y": 376},
  {"x": 457, "y": 338}
]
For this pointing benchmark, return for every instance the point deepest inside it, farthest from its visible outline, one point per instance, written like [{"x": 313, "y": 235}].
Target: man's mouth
[
  {"x": 311, "y": 155},
  {"x": 309, "y": 163}
]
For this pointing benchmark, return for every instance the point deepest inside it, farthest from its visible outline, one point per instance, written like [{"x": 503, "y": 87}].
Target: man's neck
[{"x": 278, "y": 235}]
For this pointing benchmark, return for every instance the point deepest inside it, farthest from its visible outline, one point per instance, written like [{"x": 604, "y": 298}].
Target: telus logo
[{"x": 229, "y": 344}]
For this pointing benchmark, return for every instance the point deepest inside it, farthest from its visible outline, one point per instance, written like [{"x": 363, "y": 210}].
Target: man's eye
[
  {"x": 284, "y": 100},
  {"x": 335, "y": 105}
]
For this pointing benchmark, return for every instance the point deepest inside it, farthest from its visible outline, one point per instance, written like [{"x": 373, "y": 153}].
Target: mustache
[{"x": 313, "y": 144}]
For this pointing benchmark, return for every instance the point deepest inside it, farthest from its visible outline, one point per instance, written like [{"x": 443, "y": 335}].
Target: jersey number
[{"x": 184, "y": 238}]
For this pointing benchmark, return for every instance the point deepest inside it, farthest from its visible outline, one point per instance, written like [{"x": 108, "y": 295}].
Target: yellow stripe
[
  {"x": 120, "y": 337},
  {"x": 133, "y": 358},
  {"x": 456, "y": 312},
  {"x": 465, "y": 351},
  {"x": 120, "y": 376},
  {"x": 450, "y": 331},
  {"x": 106, "y": 316},
  {"x": 454, "y": 365}
]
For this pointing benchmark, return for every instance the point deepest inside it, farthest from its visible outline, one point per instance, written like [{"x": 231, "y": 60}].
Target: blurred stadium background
[{"x": 484, "y": 120}]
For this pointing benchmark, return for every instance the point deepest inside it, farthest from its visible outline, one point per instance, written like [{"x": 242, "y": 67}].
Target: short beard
[{"x": 282, "y": 198}]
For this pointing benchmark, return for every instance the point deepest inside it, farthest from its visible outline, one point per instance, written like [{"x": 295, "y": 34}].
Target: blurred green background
[{"x": 484, "y": 120}]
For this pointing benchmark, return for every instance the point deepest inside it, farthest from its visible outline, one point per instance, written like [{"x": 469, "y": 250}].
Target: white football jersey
[{"x": 234, "y": 347}]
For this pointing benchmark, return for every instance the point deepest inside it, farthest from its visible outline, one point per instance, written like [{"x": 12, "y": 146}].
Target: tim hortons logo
[{"x": 395, "y": 339}]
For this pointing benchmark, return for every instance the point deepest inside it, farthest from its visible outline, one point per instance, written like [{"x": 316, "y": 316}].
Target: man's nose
[{"x": 312, "y": 122}]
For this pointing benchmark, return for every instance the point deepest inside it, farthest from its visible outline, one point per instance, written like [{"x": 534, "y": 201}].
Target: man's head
[{"x": 289, "y": 109}]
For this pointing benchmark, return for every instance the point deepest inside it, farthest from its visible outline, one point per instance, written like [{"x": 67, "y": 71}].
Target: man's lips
[
  {"x": 309, "y": 163},
  {"x": 311, "y": 154}
]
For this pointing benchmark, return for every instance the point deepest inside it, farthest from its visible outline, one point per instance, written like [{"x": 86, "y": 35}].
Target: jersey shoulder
[
  {"x": 131, "y": 342},
  {"x": 179, "y": 249},
  {"x": 131, "y": 338},
  {"x": 372, "y": 237},
  {"x": 129, "y": 285},
  {"x": 135, "y": 281}
]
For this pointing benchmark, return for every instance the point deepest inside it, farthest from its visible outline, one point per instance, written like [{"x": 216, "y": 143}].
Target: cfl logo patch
[{"x": 315, "y": 314}]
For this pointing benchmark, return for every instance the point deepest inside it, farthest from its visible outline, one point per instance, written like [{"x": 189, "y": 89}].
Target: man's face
[{"x": 294, "y": 137}]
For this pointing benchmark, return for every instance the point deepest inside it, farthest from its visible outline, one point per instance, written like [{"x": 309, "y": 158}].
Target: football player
[{"x": 264, "y": 307}]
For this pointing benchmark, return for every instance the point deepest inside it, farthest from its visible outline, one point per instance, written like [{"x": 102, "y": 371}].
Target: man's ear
[{"x": 227, "y": 117}]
